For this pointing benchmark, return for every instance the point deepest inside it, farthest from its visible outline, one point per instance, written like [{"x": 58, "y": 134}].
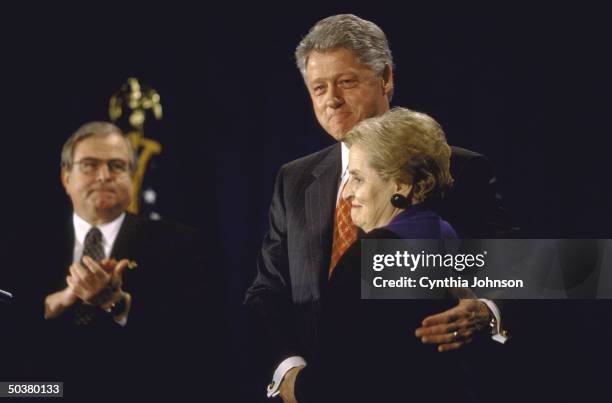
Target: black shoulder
[
  {"x": 310, "y": 160},
  {"x": 380, "y": 233},
  {"x": 167, "y": 228},
  {"x": 459, "y": 152},
  {"x": 464, "y": 160}
]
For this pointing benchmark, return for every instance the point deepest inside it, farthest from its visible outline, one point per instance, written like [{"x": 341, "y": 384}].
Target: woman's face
[{"x": 368, "y": 193}]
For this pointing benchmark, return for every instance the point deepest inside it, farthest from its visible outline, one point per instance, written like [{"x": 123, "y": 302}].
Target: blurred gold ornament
[{"x": 137, "y": 100}]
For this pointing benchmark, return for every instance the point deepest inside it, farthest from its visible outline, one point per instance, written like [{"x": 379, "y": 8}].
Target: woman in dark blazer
[{"x": 398, "y": 163}]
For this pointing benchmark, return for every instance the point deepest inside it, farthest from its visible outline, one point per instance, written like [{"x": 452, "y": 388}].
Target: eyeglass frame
[{"x": 109, "y": 164}]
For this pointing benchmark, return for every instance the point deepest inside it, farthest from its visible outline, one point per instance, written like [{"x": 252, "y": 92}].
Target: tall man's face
[
  {"x": 344, "y": 91},
  {"x": 100, "y": 180}
]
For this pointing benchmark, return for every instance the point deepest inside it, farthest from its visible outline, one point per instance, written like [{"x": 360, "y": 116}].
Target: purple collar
[{"x": 418, "y": 221}]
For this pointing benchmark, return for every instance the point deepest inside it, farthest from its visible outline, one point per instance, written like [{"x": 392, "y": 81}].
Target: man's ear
[
  {"x": 65, "y": 177},
  {"x": 387, "y": 78}
]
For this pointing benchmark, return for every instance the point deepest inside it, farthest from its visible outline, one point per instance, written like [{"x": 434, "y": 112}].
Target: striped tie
[{"x": 345, "y": 232}]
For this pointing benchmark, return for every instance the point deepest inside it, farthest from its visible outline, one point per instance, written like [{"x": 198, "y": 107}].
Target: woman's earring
[{"x": 399, "y": 201}]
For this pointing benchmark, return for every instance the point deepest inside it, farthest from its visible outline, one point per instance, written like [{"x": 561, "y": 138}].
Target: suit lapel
[
  {"x": 127, "y": 246},
  {"x": 65, "y": 256},
  {"x": 320, "y": 207},
  {"x": 68, "y": 250},
  {"x": 126, "y": 238}
]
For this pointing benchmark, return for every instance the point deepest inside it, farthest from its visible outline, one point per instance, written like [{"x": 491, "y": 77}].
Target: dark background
[{"x": 528, "y": 87}]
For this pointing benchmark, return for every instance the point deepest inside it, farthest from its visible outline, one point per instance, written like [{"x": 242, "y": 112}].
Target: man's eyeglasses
[{"x": 88, "y": 166}]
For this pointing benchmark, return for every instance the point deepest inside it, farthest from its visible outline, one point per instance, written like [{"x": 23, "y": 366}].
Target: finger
[
  {"x": 117, "y": 273},
  {"x": 79, "y": 274},
  {"x": 120, "y": 267},
  {"x": 91, "y": 282},
  {"x": 108, "y": 265},
  {"x": 452, "y": 335},
  {"x": 465, "y": 334},
  {"x": 444, "y": 328},
  {"x": 440, "y": 338},
  {"x": 75, "y": 288},
  {"x": 99, "y": 273},
  {"x": 454, "y": 345},
  {"x": 440, "y": 318},
  {"x": 70, "y": 282},
  {"x": 91, "y": 272},
  {"x": 449, "y": 346},
  {"x": 432, "y": 330},
  {"x": 467, "y": 309}
]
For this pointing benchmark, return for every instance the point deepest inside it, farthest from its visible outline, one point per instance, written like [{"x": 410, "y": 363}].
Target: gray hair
[
  {"x": 407, "y": 146},
  {"x": 363, "y": 38},
  {"x": 89, "y": 129}
]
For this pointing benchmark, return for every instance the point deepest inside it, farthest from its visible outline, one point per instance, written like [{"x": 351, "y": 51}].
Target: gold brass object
[{"x": 137, "y": 100}]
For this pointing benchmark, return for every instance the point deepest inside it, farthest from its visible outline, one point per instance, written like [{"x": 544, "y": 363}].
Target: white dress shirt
[
  {"x": 109, "y": 234},
  {"x": 345, "y": 175}
]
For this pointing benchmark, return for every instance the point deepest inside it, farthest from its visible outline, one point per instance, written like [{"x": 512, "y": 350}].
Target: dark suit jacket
[
  {"x": 368, "y": 351},
  {"x": 172, "y": 327},
  {"x": 292, "y": 266}
]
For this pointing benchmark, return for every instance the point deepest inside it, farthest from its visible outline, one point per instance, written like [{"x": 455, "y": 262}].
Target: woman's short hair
[{"x": 407, "y": 146}]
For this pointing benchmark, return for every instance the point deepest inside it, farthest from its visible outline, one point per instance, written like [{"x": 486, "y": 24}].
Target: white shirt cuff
[
  {"x": 499, "y": 335},
  {"x": 281, "y": 370}
]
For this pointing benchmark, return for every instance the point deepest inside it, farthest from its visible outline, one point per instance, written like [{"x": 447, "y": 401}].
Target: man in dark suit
[
  {"x": 348, "y": 70},
  {"x": 126, "y": 299}
]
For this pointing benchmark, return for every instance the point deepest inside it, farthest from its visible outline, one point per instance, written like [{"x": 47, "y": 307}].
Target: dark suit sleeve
[
  {"x": 475, "y": 209},
  {"x": 268, "y": 300},
  {"x": 176, "y": 313},
  {"x": 335, "y": 376}
]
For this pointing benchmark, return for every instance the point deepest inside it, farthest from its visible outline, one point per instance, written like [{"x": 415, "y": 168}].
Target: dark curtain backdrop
[{"x": 528, "y": 87}]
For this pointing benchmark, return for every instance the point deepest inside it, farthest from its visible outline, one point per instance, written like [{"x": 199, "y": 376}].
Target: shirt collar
[
  {"x": 345, "y": 159},
  {"x": 109, "y": 230}
]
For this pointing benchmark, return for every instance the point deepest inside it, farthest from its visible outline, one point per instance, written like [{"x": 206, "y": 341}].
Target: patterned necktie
[
  {"x": 345, "y": 232},
  {"x": 92, "y": 247}
]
